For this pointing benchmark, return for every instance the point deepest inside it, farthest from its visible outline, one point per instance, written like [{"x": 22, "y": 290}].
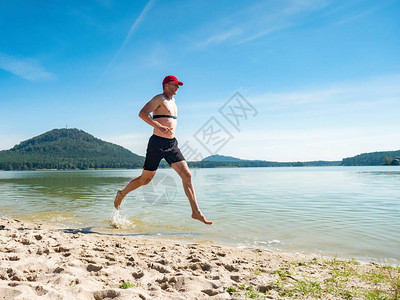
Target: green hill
[
  {"x": 67, "y": 149},
  {"x": 218, "y": 157},
  {"x": 372, "y": 159}
]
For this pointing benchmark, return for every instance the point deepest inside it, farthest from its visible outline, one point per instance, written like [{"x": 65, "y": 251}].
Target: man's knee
[
  {"x": 186, "y": 175},
  {"x": 146, "y": 179}
]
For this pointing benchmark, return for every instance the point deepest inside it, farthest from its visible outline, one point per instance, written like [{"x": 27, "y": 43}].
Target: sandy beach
[{"x": 37, "y": 262}]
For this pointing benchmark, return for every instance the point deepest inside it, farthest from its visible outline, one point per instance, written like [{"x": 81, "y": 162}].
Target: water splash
[{"x": 120, "y": 222}]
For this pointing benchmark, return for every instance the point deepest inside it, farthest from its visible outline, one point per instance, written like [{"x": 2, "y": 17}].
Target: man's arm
[{"x": 151, "y": 106}]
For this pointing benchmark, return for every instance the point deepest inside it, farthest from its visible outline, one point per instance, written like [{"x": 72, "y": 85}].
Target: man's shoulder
[{"x": 159, "y": 97}]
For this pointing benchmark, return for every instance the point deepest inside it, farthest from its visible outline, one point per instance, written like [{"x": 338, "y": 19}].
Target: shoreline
[
  {"x": 37, "y": 260},
  {"x": 187, "y": 237}
]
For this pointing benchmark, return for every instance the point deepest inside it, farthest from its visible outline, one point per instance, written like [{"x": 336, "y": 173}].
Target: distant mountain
[
  {"x": 218, "y": 157},
  {"x": 67, "y": 149},
  {"x": 220, "y": 161},
  {"x": 364, "y": 159},
  {"x": 373, "y": 159}
]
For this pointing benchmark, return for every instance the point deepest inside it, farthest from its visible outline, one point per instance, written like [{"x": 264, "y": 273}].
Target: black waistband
[
  {"x": 164, "y": 116},
  {"x": 160, "y": 138}
]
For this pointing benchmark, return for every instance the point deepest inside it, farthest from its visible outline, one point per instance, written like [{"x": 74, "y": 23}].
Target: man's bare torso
[{"x": 167, "y": 107}]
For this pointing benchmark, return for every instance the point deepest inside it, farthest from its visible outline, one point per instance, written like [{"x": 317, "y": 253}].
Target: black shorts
[{"x": 159, "y": 148}]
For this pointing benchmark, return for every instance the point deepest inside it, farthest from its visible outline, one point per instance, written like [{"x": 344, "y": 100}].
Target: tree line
[
  {"x": 373, "y": 159},
  {"x": 259, "y": 163},
  {"x": 76, "y": 149}
]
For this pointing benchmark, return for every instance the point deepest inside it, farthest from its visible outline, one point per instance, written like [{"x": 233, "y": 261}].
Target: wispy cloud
[
  {"x": 132, "y": 30},
  {"x": 256, "y": 21},
  {"x": 26, "y": 68},
  {"x": 347, "y": 11},
  {"x": 356, "y": 16},
  {"x": 263, "y": 33},
  {"x": 219, "y": 37},
  {"x": 368, "y": 90},
  {"x": 136, "y": 24}
]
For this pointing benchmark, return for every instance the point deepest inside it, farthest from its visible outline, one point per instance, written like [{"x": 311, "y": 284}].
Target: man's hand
[{"x": 165, "y": 129}]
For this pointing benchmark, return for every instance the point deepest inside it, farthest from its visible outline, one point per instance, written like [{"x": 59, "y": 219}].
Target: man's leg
[
  {"x": 182, "y": 169},
  {"x": 143, "y": 179}
]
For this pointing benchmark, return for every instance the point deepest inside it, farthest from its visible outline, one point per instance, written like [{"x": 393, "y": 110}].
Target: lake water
[{"x": 351, "y": 212}]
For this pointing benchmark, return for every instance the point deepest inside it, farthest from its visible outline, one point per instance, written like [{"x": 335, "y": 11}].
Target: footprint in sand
[
  {"x": 210, "y": 292},
  {"x": 106, "y": 294},
  {"x": 231, "y": 268},
  {"x": 93, "y": 268},
  {"x": 138, "y": 275},
  {"x": 159, "y": 268}
]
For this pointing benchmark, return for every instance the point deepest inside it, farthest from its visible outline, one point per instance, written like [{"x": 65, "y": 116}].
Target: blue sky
[{"x": 322, "y": 77}]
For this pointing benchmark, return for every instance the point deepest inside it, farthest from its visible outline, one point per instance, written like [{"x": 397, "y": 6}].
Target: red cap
[{"x": 171, "y": 78}]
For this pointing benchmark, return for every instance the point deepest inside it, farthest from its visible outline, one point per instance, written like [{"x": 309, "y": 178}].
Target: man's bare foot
[
  {"x": 199, "y": 216},
  {"x": 118, "y": 199}
]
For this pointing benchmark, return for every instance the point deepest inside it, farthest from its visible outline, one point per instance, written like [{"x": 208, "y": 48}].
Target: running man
[{"x": 163, "y": 144}]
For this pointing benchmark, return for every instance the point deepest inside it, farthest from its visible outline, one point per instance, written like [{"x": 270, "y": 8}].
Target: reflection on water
[{"x": 349, "y": 211}]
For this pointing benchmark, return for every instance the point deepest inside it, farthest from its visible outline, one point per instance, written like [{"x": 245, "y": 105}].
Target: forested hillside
[
  {"x": 373, "y": 159},
  {"x": 67, "y": 149},
  {"x": 218, "y": 161}
]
